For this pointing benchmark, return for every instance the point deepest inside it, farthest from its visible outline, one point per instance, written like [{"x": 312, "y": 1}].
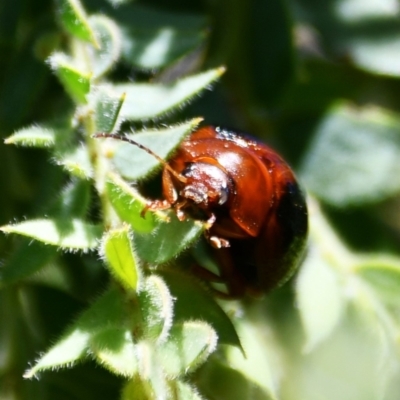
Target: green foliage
[
  {"x": 91, "y": 275},
  {"x": 346, "y": 142},
  {"x": 133, "y": 163},
  {"x": 118, "y": 252}
]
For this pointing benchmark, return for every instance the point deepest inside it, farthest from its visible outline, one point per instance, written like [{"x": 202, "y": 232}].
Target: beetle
[{"x": 254, "y": 210}]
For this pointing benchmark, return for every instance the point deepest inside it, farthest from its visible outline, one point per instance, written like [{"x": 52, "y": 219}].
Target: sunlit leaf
[
  {"x": 64, "y": 353},
  {"x": 137, "y": 388},
  {"x": 358, "y": 340},
  {"x": 189, "y": 344},
  {"x": 256, "y": 363},
  {"x": 104, "y": 56},
  {"x": 119, "y": 2},
  {"x": 383, "y": 275},
  {"x": 33, "y": 136},
  {"x": 156, "y": 304},
  {"x": 151, "y": 371},
  {"x": 155, "y": 49},
  {"x": 365, "y": 32},
  {"x": 76, "y": 161},
  {"x": 120, "y": 257},
  {"x": 153, "y": 38},
  {"x": 146, "y": 101},
  {"x": 107, "y": 108},
  {"x": 353, "y": 158},
  {"x": 107, "y": 312},
  {"x": 76, "y": 82},
  {"x": 74, "y": 20},
  {"x": 66, "y": 234},
  {"x": 114, "y": 349},
  {"x": 319, "y": 298},
  {"x": 184, "y": 391},
  {"x": 129, "y": 204}
]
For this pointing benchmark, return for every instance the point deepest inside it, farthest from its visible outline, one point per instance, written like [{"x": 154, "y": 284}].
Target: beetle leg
[
  {"x": 178, "y": 210},
  {"x": 211, "y": 220},
  {"x": 155, "y": 205},
  {"x": 230, "y": 275},
  {"x": 215, "y": 241}
]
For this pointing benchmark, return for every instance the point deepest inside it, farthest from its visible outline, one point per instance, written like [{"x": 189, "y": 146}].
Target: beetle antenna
[{"x": 180, "y": 177}]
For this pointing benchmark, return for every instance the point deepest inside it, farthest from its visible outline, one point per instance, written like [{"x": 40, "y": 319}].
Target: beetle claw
[
  {"x": 181, "y": 215},
  {"x": 218, "y": 243},
  {"x": 210, "y": 222}
]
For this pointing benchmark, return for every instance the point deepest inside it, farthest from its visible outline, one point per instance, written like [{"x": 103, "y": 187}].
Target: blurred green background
[{"x": 320, "y": 82}]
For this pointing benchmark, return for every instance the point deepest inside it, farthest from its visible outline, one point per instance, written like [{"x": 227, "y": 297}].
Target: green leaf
[
  {"x": 319, "y": 297},
  {"x": 104, "y": 56},
  {"x": 73, "y": 201},
  {"x": 27, "y": 259},
  {"x": 55, "y": 275},
  {"x": 154, "y": 38},
  {"x": 366, "y": 32},
  {"x": 33, "y": 136},
  {"x": 129, "y": 204},
  {"x": 74, "y": 20},
  {"x": 167, "y": 240},
  {"x": 66, "y": 352},
  {"x": 256, "y": 364},
  {"x": 156, "y": 304},
  {"x": 72, "y": 234},
  {"x": 117, "y": 3},
  {"x": 114, "y": 349},
  {"x": 151, "y": 371},
  {"x": 120, "y": 257},
  {"x": 154, "y": 49},
  {"x": 76, "y": 83},
  {"x": 147, "y": 101},
  {"x": 137, "y": 389},
  {"x": 189, "y": 344},
  {"x": 222, "y": 381},
  {"x": 382, "y": 273},
  {"x": 134, "y": 163},
  {"x": 203, "y": 307},
  {"x": 377, "y": 54},
  {"x": 76, "y": 161},
  {"x": 107, "y": 105},
  {"x": 357, "y": 11},
  {"x": 108, "y": 311},
  {"x": 353, "y": 158},
  {"x": 159, "y": 48},
  {"x": 184, "y": 391}
]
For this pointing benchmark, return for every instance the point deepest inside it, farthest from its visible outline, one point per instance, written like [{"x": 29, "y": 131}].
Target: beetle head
[{"x": 206, "y": 185}]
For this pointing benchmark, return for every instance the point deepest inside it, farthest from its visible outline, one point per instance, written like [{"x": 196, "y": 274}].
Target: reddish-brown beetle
[{"x": 255, "y": 211}]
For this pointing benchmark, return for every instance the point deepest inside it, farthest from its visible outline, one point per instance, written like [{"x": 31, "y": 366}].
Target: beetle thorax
[{"x": 207, "y": 185}]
